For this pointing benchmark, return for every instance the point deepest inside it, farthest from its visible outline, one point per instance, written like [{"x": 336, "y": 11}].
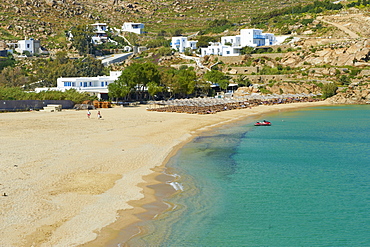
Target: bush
[
  {"x": 164, "y": 51},
  {"x": 158, "y": 43},
  {"x": 5, "y": 62},
  {"x": 329, "y": 90}
]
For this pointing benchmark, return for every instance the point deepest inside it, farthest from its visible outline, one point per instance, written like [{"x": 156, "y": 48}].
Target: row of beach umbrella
[{"x": 212, "y": 105}]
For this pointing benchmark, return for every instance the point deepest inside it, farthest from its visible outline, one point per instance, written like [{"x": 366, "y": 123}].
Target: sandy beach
[{"x": 64, "y": 177}]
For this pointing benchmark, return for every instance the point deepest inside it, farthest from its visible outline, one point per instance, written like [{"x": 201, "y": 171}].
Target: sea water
[{"x": 304, "y": 181}]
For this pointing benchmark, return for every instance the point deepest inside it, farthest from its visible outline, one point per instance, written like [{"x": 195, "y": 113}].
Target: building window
[
  {"x": 85, "y": 84},
  {"x": 106, "y": 83},
  {"x": 80, "y": 84},
  {"x": 73, "y": 84},
  {"x": 28, "y": 45},
  {"x": 90, "y": 84},
  {"x": 67, "y": 83},
  {"x": 102, "y": 84},
  {"x": 227, "y": 52}
]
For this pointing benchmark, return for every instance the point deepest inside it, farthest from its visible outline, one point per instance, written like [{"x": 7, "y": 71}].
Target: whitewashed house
[
  {"x": 30, "y": 45},
  {"x": 181, "y": 43},
  {"x": 231, "y": 40},
  {"x": 97, "y": 86},
  {"x": 255, "y": 37},
  {"x": 231, "y": 45},
  {"x": 100, "y": 35},
  {"x": 216, "y": 48},
  {"x": 133, "y": 27}
]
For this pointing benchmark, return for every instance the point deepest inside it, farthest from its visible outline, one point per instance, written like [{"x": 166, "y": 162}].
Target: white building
[
  {"x": 133, "y": 27},
  {"x": 97, "y": 86},
  {"x": 255, "y": 37},
  {"x": 220, "y": 49},
  {"x": 100, "y": 35},
  {"x": 231, "y": 45},
  {"x": 181, "y": 43},
  {"x": 31, "y": 45}
]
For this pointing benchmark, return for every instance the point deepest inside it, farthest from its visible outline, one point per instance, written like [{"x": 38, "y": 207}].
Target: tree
[
  {"x": 243, "y": 81},
  {"x": 48, "y": 71},
  {"x": 168, "y": 79},
  {"x": 117, "y": 90},
  {"x": 203, "y": 41},
  {"x": 162, "y": 33},
  {"x": 185, "y": 81},
  {"x": 82, "y": 36},
  {"x": 164, "y": 51},
  {"x": 180, "y": 82},
  {"x": 16, "y": 93},
  {"x": 154, "y": 88},
  {"x": 188, "y": 51},
  {"x": 135, "y": 79},
  {"x": 219, "y": 23},
  {"x": 247, "y": 50},
  {"x": 177, "y": 32},
  {"x": 12, "y": 77},
  {"x": 344, "y": 80},
  {"x": 5, "y": 62},
  {"x": 217, "y": 77},
  {"x": 133, "y": 38},
  {"x": 328, "y": 90}
]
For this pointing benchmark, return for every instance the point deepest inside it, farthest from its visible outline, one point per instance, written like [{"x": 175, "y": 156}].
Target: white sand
[{"x": 66, "y": 176}]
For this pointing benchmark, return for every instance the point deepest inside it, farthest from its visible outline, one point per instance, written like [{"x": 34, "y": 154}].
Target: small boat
[{"x": 263, "y": 123}]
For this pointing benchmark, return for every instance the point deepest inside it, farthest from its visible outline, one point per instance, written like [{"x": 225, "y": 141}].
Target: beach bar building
[{"x": 97, "y": 86}]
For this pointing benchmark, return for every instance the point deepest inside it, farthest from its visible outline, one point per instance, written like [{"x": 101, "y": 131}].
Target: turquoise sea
[{"x": 304, "y": 181}]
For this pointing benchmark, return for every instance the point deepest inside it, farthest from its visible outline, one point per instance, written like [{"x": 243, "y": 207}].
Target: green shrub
[{"x": 329, "y": 90}]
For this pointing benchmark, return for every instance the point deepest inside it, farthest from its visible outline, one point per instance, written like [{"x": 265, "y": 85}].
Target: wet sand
[{"x": 69, "y": 179}]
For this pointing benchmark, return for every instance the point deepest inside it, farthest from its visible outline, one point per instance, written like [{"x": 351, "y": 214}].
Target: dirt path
[{"x": 353, "y": 35}]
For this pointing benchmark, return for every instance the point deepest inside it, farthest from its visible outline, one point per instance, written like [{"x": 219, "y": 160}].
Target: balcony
[{"x": 259, "y": 36}]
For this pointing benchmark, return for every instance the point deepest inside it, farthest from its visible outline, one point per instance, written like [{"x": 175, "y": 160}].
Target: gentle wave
[{"x": 177, "y": 186}]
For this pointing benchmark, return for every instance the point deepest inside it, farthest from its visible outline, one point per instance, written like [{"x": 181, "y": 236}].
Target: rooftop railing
[{"x": 259, "y": 36}]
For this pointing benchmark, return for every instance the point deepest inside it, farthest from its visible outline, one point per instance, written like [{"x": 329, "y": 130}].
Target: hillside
[
  {"x": 324, "y": 45},
  {"x": 45, "y": 19}
]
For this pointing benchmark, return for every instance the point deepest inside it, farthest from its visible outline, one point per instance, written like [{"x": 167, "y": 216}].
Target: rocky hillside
[
  {"x": 340, "y": 53},
  {"x": 45, "y": 18},
  {"x": 282, "y": 88},
  {"x": 354, "y": 94}
]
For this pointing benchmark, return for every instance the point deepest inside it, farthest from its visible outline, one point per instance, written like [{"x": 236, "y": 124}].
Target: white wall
[
  {"x": 65, "y": 83},
  {"x": 133, "y": 27},
  {"x": 29, "y": 45},
  {"x": 234, "y": 40},
  {"x": 181, "y": 43},
  {"x": 219, "y": 49}
]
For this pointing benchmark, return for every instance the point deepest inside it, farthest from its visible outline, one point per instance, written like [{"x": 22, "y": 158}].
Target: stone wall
[
  {"x": 266, "y": 78},
  {"x": 242, "y": 70}
]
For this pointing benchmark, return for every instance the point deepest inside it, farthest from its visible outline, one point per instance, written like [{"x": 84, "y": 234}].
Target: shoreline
[
  {"x": 68, "y": 179},
  {"x": 152, "y": 205}
]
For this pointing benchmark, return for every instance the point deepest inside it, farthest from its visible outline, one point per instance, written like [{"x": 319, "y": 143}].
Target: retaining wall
[{"x": 25, "y": 105}]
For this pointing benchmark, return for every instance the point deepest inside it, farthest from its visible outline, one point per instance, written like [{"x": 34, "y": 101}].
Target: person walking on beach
[
  {"x": 99, "y": 115},
  {"x": 88, "y": 114}
]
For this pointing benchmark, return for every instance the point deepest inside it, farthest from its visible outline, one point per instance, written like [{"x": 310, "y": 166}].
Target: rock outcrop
[
  {"x": 294, "y": 88},
  {"x": 354, "y": 94},
  {"x": 282, "y": 88},
  {"x": 348, "y": 53}
]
